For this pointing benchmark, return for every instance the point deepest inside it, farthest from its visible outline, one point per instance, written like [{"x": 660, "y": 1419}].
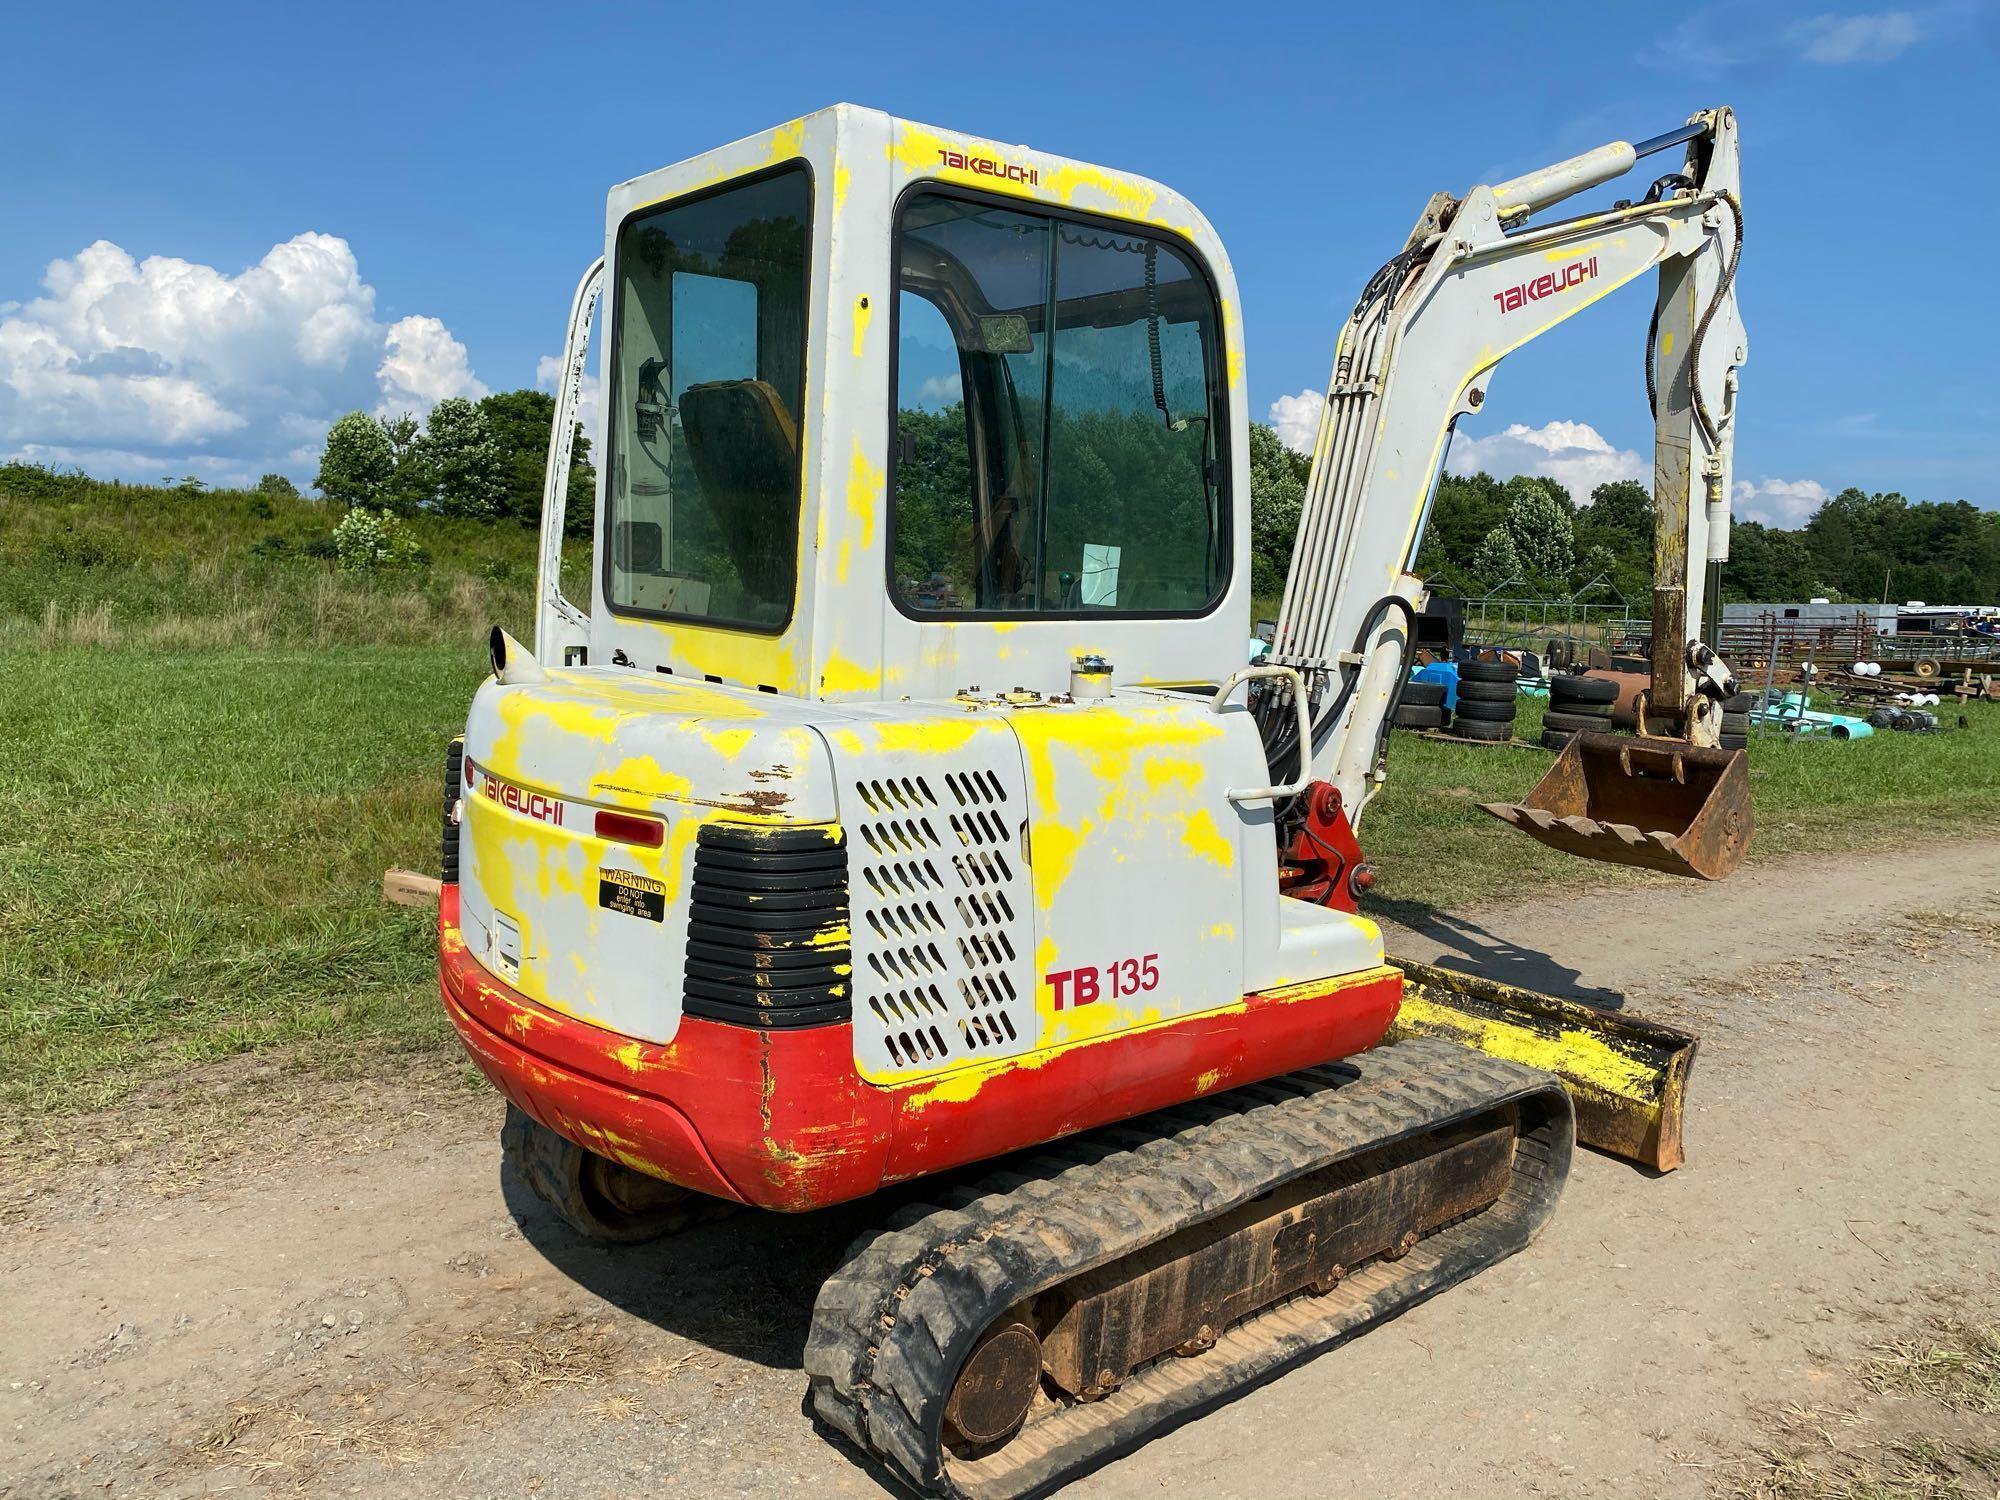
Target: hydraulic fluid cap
[{"x": 1090, "y": 677}]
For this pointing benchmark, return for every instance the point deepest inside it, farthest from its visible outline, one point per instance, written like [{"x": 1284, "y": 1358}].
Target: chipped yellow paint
[
  {"x": 788, "y": 140},
  {"x": 1223, "y": 931},
  {"x": 1570, "y": 251},
  {"x": 1305, "y": 989},
  {"x": 727, "y": 743},
  {"x": 781, "y": 144},
  {"x": 863, "y": 312},
  {"x": 1206, "y": 841},
  {"x": 953, "y": 1088},
  {"x": 865, "y": 488},
  {"x": 965, "y": 1082},
  {"x": 919, "y": 151},
  {"x": 1572, "y": 1053},
  {"x": 631, "y": 1057},
  {"x": 1164, "y": 771},
  {"x": 1205, "y": 1081},
  {"x": 839, "y": 677}
]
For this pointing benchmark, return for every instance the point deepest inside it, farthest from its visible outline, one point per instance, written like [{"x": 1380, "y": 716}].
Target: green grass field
[
  {"x": 216, "y": 744},
  {"x": 196, "y": 840}
]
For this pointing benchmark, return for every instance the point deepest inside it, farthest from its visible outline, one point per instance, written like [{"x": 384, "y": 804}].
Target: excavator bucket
[
  {"x": 1658, "y": 804},
  {"x": 1627, "y": 1076}
]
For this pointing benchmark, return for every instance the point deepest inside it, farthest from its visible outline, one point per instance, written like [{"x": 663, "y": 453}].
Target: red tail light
[{"x": 628, "y": 828}]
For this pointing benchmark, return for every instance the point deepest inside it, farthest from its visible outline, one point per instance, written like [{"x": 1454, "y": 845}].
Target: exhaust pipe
[{"x": 512, "y": 662}]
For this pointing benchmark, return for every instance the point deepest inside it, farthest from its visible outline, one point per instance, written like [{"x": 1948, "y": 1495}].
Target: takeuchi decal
[
  {"x": 986, "y": 166},
  {"x": 537, "y": 805},
  {"x": 1546, "y": 285}
]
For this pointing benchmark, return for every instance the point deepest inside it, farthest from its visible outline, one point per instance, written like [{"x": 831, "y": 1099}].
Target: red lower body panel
[{"x": 781, "y": 1119}]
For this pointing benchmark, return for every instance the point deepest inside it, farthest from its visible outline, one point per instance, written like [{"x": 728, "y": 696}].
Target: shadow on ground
[
  {"x": 742, "y": 1286},
  {"x": 1470, "y": 948}
]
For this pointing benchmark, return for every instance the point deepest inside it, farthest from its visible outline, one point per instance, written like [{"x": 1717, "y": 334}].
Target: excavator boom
[{"x": 1477, "y": 278}]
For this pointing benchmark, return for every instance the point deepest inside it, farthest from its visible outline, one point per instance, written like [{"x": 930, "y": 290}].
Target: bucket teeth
[{"x": 1660, "y": 805}]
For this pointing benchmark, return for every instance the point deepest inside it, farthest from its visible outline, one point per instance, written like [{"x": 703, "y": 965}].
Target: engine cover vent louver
[
  {"x": 942, "y": 912},
  {"x": 768, "y": 944}
]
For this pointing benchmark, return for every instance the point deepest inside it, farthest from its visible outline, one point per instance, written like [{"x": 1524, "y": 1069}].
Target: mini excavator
[{"x": 902, "y": 806}]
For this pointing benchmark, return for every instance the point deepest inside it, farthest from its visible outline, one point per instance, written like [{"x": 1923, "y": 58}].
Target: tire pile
[
  {"x": 1421, "y": 707},
  {"x": 1577, "y": 705},
  {"x": 1486, "y": 700}
]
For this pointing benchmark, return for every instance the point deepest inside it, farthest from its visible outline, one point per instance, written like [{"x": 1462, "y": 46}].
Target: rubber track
[{"x": 895, "y": 1321}]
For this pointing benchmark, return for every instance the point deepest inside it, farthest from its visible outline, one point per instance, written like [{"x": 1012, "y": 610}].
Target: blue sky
[{"x": 447, "y": 170}]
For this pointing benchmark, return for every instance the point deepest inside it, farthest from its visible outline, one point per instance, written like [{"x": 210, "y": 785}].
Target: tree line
[
  {"x": 1521, "y": 536},
  {"x": 1528, "y": 536},
  {"x": 481, "y": 459}
]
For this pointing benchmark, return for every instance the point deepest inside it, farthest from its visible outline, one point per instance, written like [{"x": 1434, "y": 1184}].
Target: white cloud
[
  {"x": 1778, "y": 502},
  {"x": 1734, "y": 34},
  {"x": 135, "y": 369},
  {"x": 589, "y": 400},
  {"x": 1296, "y": 419},
  {"x": 423, "y": 366},
  {"x": 1868, "y": 38},
  {"x": 1574, "y": 454}
]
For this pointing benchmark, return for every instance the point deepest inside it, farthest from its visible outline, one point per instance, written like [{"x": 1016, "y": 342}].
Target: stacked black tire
[
  {"x": 1486, "y": 700},
  {"x": 1577, "y": 705},
  {"x": 1735, "y": 732},
  {"x": 1421, "y": 707}
]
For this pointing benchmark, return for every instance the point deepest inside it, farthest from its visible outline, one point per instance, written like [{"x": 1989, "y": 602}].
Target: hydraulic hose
[{"x": 1282, "y": 752}]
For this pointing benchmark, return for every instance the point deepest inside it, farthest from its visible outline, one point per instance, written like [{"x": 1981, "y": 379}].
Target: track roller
[{"x": 1068, "y": 1306}]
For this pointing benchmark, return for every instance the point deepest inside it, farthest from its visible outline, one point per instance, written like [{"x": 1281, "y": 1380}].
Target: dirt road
[{"x": 367, "y": 1316}]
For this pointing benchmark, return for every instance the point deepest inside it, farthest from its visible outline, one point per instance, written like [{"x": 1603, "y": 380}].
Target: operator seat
[{"x": 744, "y": 445}]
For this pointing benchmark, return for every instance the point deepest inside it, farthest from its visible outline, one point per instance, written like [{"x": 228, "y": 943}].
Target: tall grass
[{"x": 86, "y": 564}]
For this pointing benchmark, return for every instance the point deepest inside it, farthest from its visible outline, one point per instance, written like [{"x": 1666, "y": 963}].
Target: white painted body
[{"x": 1000, "y": 833}]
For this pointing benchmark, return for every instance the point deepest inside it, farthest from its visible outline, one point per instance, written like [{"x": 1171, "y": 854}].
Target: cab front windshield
[
  {"x": 1059, "y": 417},
  {"x": 708, "y": 391}
]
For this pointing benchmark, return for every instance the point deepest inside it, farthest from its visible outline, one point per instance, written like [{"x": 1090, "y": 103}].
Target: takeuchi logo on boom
[
  {"x": 986, "y": 166},
  {"x": 1546, "y": 285}
]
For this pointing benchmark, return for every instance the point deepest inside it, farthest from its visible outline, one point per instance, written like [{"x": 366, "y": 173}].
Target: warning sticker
[{"x": 633, "y": 894}]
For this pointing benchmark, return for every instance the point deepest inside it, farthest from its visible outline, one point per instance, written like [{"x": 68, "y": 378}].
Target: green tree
[
  {"x": 277, "y": 484},
  {"x": 1496, "y": 561},
  {"x": 1464, "y": 508},
  {"x": 411, "y": 485},
  {"x": 461, "y": 467},
  {"x": 520, "y": 422},
  {"x": 358, "y": 461},
  {"x": 1538, "y": 520},
  {"x": 1277, "y": 494},
  {"x": 1623, "y": 505}
]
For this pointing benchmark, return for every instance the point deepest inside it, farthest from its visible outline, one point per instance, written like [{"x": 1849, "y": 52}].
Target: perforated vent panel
[{"x": 941, "y": 915}]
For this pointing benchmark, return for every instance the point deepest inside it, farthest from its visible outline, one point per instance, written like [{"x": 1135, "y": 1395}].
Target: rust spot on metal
[
  {"x": 773, "y": 773},
  {"x": 1658, "y": 804}
]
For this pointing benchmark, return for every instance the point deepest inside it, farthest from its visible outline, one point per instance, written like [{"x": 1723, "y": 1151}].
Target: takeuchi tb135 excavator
[{"x": 902, "y": 800}]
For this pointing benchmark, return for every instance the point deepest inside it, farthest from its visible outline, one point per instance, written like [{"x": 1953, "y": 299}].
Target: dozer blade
[
  {"x": 1658, "y": 804},
  {"x": 1627, "y": 1076}
]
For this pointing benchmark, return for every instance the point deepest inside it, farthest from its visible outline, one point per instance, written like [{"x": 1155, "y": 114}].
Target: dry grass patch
[
  {"x": 1920, "y": 1425},
  {"x": 1954, "y": 1362}
]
